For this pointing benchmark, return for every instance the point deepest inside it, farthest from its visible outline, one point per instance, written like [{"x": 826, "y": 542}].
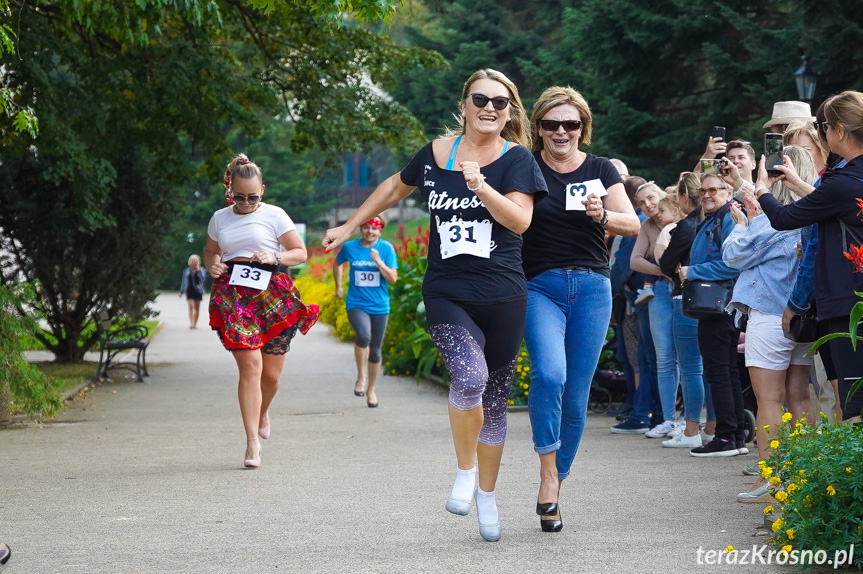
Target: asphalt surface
[{"x": 135, "y": 478}]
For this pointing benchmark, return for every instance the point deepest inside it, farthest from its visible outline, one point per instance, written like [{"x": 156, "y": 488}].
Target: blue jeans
[
  {"x": 568, "y": 312},
  {"x": 695, "y": 388},
  {"x": 647, "y": 395},
  {"x": 663, "y": 343}
]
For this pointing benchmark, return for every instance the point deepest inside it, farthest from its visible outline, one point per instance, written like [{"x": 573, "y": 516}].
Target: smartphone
[
  {"x": 773, "y": 153},
  {"x": 718, "y": 133},
  {"x": 712, "y": 166}
]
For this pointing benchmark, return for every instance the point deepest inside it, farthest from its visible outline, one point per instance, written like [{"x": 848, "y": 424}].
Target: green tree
[{"x": 136, "y": 102}]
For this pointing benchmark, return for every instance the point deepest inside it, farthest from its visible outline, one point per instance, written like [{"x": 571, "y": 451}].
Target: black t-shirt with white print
[
  {"x": 561, "y": 233},
  {"x": 473, "y": 258}
]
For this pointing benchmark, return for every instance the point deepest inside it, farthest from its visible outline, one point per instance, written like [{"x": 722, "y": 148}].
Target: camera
[
  {"x": 773, "y": 151},
  {"x": 714, "y": 166}
]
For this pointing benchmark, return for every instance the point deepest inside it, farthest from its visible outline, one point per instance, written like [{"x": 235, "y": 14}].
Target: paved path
[{"x": 141, "y": 478}]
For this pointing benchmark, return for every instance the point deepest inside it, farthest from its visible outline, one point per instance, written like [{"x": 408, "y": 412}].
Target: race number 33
[
  {"x": 367, "y": 278},
  {"x": 465, "y": 238},
  {"x": 247, "y": 276},
  {"x": 576, "y": 192}
]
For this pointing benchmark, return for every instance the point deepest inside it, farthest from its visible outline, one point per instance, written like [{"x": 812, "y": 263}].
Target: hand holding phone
[
  {"x": 718, "y": 141},
  {"x": 773, "y": 153}
]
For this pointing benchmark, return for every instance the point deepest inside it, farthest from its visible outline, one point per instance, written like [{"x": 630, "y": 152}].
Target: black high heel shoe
[
  {"x": 552, "y": 524},
  {"x": 546, "y": 508}
]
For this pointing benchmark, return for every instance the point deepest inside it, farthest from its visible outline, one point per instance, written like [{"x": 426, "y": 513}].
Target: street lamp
[{"x": 806, "y": 79}]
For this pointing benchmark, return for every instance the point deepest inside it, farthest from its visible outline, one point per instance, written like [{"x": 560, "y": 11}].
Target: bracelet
[
  {"x": 477, "y": 188},
  {"x": 604, "y": 219},
  {"x": 760, "y": 188},
  {"x": 277, "y": 256}
]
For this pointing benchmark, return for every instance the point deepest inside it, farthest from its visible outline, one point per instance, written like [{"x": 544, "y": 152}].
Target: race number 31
[{"x": 465, "y": 238}]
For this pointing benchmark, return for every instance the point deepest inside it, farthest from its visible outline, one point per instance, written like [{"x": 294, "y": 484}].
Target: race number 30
[{"x": 367, "y": 278}]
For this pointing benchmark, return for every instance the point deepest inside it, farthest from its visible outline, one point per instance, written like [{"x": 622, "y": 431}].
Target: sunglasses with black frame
[
  {"x": 554, "y": 125},
  {"x": 481, "y": 100},
  {"x": 251, "y": 199}
]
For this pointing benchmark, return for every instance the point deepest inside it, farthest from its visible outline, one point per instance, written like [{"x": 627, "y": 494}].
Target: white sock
[
  {"x": 464, "y": 485},
  {"x": 486, "y": 507}
]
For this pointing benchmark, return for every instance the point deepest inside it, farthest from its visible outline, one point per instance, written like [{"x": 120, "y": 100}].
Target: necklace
[{"x": 251, "y": 212}]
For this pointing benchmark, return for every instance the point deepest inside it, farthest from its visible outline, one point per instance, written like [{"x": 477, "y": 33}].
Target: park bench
[{"x": 114, "y": 340}]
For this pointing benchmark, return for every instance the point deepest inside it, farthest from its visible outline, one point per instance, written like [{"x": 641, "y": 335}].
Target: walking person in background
[
  {"x": 373, "y": 267},
  {"x": 569, "y": 290},
  {"x": 480, "y": 186},
  {"x": 192, "y": 286},
  {"x": 255, "y": 307}
]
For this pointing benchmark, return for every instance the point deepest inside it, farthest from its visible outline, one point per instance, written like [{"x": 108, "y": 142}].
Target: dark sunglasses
[
  {"x": 481, "y": 100},
  {"x": 251, "y": 199},
  {"x": 554, "y": 125},
  {"x": 822, "y": 127}
]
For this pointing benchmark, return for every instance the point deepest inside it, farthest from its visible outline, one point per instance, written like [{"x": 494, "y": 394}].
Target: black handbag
[
  {"x": 705, "y": 299},
  {"x": 804, "y": 327}
]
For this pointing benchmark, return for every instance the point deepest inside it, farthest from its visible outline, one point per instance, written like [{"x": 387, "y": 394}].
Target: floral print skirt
[{"x": 248, "y": 318}]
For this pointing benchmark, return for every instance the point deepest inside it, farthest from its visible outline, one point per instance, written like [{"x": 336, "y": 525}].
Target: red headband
[
  {"x": 376, "y": 222},
  {"x": 241, "y": 161}
]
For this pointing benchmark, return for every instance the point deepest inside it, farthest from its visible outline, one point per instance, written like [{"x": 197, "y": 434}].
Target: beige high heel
[{"x": 256, "y": 461}]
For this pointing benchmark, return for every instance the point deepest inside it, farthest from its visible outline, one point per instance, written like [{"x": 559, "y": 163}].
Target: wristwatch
[
  {"x": 604, "y": 218},
  {"x": 278, "y": 256}
]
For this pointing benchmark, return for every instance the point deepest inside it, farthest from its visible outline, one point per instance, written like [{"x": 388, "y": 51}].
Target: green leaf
[{"x": 856, "y": 314}]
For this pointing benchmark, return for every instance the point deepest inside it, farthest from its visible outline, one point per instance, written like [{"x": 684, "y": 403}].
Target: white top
[
  {"x": 243, "y": 235},
  {"x": 662, "y": 241}
]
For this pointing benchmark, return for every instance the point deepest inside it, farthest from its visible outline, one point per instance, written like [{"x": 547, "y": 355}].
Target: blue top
[
  {"x": 450, "y": 162},
  {"x": 705, "y": 257},
  {"x": 367, "y": 288},
  {"x": 767, "y": 260}
]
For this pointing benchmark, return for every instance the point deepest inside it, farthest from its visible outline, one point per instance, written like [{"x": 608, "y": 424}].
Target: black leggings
[
  {"x": 370, "y": 330},
  {"x": 717, "y": 341},
  {"x": 849, "y": 367},
  {"x": 479, "y": 344}
]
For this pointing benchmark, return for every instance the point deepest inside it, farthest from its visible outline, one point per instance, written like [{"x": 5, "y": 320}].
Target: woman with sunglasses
[
  {"x": 480, "y": 187},
  {"x": 835, "y": 207},
  {"x": 569, "y": 290},
  {"x": 717, "y": 336},
  {"x": 373, "y": 267},
  {"x": 254, "y": 306}
]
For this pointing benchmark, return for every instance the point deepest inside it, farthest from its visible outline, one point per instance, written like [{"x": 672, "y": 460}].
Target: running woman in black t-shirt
[
  {"x": 480, "y": 189},
  {"x": 569, "y": 292}
]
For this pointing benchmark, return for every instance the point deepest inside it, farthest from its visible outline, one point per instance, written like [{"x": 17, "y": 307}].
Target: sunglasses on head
[
  {"x": 554, "y": 125},
  {"x": 251, "y": 199},
  {"x": 481, "y": 100}
]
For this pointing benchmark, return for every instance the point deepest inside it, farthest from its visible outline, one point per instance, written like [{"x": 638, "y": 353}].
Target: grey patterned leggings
[{"x": 479, "y": 344}]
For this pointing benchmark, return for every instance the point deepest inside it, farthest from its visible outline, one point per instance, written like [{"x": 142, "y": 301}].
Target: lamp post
[{"x": 806, "y": 79}]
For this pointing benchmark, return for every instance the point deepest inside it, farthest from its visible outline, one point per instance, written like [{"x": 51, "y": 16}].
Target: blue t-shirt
[{"x": 367, "y": 288}]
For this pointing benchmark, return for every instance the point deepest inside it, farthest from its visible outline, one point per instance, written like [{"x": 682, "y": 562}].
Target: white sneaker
[
  {"x": 706, "y": 438},
  {"x": 661, "y": 430},
  {"x": 678, "y": 429},
  {"x": 683, "y": 441}
]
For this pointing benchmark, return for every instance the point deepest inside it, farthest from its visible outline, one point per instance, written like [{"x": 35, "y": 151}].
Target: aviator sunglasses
[
  {"x": 554, "y": 125},
  {"x": 481, "y": 100},
  {"x": 251, "y": 199}
]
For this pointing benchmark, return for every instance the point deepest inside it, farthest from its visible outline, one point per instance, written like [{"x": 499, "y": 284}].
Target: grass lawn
[
  {"x": 30, "y": 343},
  {"x": 67, "y": 376}
]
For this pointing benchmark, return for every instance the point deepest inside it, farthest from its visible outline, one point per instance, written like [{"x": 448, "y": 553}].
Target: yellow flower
[
  {"x": 790, "y": 533},
  {"x": 774, "y": 481},
  {"x": 786, "y": 417},
  {"x": 848, "y": 469},
  {"x": 774, "y": 444},
  {"x": 766, "y": 472},
  {"x": 787, "y": 548},
  {"x": 792, "y": 487},
  {"x": 768, "y": 510},
  {"x": 777, "y": 526},
  {"x": 762, "y": 463},
  {"x": 729, "y": 548},
  {"x": 830, "y": 490},
  {"x": 780, "y": 496},
  {"x": 767, "y": 427}
]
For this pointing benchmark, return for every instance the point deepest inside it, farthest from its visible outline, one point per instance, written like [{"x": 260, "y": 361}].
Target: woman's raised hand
[
  {"x": 737, "y": 215},
  {"x": 472, "y": 175}
]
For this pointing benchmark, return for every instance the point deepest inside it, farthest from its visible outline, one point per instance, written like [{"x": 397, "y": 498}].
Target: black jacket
[
  {"x": 832, "y": 204},
  {"x": 678, "y": 248}
]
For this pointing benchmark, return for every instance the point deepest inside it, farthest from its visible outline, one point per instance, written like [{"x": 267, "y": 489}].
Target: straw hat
[{"x": 787, "y": 112}]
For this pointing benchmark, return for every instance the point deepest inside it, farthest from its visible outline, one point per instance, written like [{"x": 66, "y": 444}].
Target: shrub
[{"x": 819, "y": 472}]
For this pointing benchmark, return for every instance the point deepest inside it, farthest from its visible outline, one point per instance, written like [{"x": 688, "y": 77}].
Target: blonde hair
[
  {"x": 242, "y": 167},
  {"x": 514, "y": 130},
  {"x": 671, "y": 199},
  {"x": 798, "y": 127},
  {"x": 805, "y": 167},
  {"x": 688, "y": 186},
  {"x": 847, "y": 109},
  {"x": 560, "y": 96},
  {"x": 194, "y": 258},
  {"x": 650, "y": 186}
]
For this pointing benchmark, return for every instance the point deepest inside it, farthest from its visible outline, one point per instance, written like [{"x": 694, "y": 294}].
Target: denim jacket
[
  {"x": 804, "y": 287},
  {"x": 705, "y": 257},
  {"x": 768, "y": 264}
]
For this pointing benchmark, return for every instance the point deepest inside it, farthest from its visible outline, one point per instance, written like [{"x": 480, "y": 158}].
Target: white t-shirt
[{"x": 243, "y": 235}]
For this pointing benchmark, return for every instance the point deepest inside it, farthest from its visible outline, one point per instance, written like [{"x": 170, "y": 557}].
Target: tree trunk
[{"x": 5, "y": 402}]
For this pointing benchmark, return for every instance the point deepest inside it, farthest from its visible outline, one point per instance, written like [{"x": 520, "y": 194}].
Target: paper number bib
[
  {"x": 247, "y": 276},
  {"x": 465, "y": 238},
  {"x": 367, "y": 278},
  {"x": 576, "y": 192}
]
